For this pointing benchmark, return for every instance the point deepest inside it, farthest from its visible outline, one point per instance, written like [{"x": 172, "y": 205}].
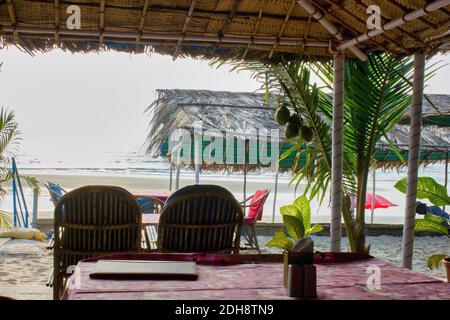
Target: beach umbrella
[{"x": 377, "y": 201}]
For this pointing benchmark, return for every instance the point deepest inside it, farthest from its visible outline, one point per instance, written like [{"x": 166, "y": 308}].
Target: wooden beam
[
  {"x": 338, "y": 6},
  {"x": 229, "y": 18},
  {"x": 183, "y": 30},
  {"x": 404, "y": 9},
  {"x": 142, "y": 21},
  {"x": 283, "y": 26},
  {"x": 57, "y": 19},
  {"x": 13, "y": 19},
  {"x": 329, "y": 26},
  {"x": 401, "y": 29},
  {"x": 255, "y": 30},
  {"x": 200, "y": 38},
  {"x": 102, "y": 19},
  {"x": 396, "y": 23},
  {"x": 12, "y": 14}
]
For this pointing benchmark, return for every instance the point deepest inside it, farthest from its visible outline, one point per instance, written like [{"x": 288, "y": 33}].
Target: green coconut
[
  {"x": 296, "y": 119},
  {"x": 291, "y": 129},
  {"x": 282, "y": 115},
  {"x": 306, "y": 133}
]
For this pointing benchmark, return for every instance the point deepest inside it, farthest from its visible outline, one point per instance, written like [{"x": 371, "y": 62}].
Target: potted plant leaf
[
  {"x": 428, "y": 188},
  {"x": 297, "y": 224},
  {"x": 297, "y": 229}
]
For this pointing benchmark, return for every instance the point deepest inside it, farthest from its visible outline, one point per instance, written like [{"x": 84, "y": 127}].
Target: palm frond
[{"x": 6, "y": 220}]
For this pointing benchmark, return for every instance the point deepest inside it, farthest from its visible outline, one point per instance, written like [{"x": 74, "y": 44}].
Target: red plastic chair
[{"x": 255, "y": 214}]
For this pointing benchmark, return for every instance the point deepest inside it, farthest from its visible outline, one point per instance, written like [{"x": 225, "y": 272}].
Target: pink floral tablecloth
[
  {"x": 261, "y": 280},
  {"x": 151, "y": 219}
]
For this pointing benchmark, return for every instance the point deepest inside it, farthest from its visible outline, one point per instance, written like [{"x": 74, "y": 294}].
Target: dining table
[
  {"x": 150, "y": 219},
  {"x": 257, "y": 277}
]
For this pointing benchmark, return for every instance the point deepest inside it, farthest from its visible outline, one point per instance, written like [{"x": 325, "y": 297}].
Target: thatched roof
[
  {"x": 251, "y": 29},
  {"x": 246, "y": 113}
]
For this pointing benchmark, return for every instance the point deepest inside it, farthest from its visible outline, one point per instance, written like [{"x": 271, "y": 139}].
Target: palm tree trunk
[
  {"x": 360, "y": 232},
  {"x": 348, "y": 223}
]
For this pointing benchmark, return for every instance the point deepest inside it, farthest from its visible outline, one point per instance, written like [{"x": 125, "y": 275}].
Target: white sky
[{"x": 79, "y": 104}]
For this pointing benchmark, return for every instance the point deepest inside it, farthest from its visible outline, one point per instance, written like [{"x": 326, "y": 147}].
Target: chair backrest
[
  {"x": 200, "y": 218},
  {"x": 95, "y": 220},
  {"x": 257, "y": 202},
  {"x": 55, "y": 191}
]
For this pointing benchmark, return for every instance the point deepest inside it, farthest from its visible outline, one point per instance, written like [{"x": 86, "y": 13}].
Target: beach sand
[{"x": 24, "y": 269}]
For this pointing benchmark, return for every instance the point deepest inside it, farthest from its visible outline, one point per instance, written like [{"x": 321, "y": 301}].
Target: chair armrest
[
  {"x": 70, "y": 270},
  {"x": 49, "y": 282},
  {"x": 263, "y": 197}
]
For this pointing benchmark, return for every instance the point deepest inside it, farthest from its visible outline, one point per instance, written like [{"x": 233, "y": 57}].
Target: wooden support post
[
  {"x": 197, "y": 157},
  {"x": 446, "y": 173},
  {"x": 413, "y": 161},
  {"x": 177, "y": 178},
  {"x": 35, "y": 208},
  {"x": 171, "y": 176},
  {"x": 246, "y": 144},
  {"x": 275, "y": 197},
  {"x": 373, "y": 195},
  {"x": 337, "y": 154}
]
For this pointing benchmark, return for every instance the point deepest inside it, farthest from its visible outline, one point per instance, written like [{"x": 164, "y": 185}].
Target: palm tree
[
  {"x": 9, "y": 139},
  {"x": 377, "y": 94}
]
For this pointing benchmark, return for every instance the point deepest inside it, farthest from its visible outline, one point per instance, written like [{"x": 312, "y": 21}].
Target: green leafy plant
[
  {"x": 297, "y": 223},
  {"x": 435, "y": 261},
  {"x": 428, "y": 188}
]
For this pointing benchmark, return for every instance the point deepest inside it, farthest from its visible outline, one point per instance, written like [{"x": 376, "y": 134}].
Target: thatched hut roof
[
  {"x": 246, "y": 113},
  {"x": 251, "y": 29}
]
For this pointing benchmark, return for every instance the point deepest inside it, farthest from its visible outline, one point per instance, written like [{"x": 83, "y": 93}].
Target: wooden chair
[
  {"x": 256, "y": 207},
  {"x": 93, "y": 221},
  {"x": 55, "y": 191},
  {"x": 200, "y": 218}
]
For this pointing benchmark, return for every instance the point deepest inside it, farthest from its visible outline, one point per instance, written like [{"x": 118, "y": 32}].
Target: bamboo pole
[
  {"x": 245, "y": 172},
  {"x": 177, "y": 178},
  {"x": 275, "y": 197},
  {"x": 320, "y": 17},
  {"x": 413, "y": 15},
  {"x": 35, "y": 208},
  {"x": 183, "y": 30},
  {"x": 132, "y": 36},
  {"x": 197, "y": 157},
  {"x": 373, "y": 195},
  {"x": 337, "y": 154},
  {"x": 171, "y": 178},
  {"x": 413, "y": 161},
  {"x": 446, "y": 174}
]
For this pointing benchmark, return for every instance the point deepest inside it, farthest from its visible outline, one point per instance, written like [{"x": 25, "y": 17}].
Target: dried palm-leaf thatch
[
  {"x": 246, "y": 114},
  {"x": 250, "y": 29}
]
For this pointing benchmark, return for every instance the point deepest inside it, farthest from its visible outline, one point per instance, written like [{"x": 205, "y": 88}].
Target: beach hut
[
  {"x": 247, "y": 113},
  {"x": 251, "y": 29}
]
